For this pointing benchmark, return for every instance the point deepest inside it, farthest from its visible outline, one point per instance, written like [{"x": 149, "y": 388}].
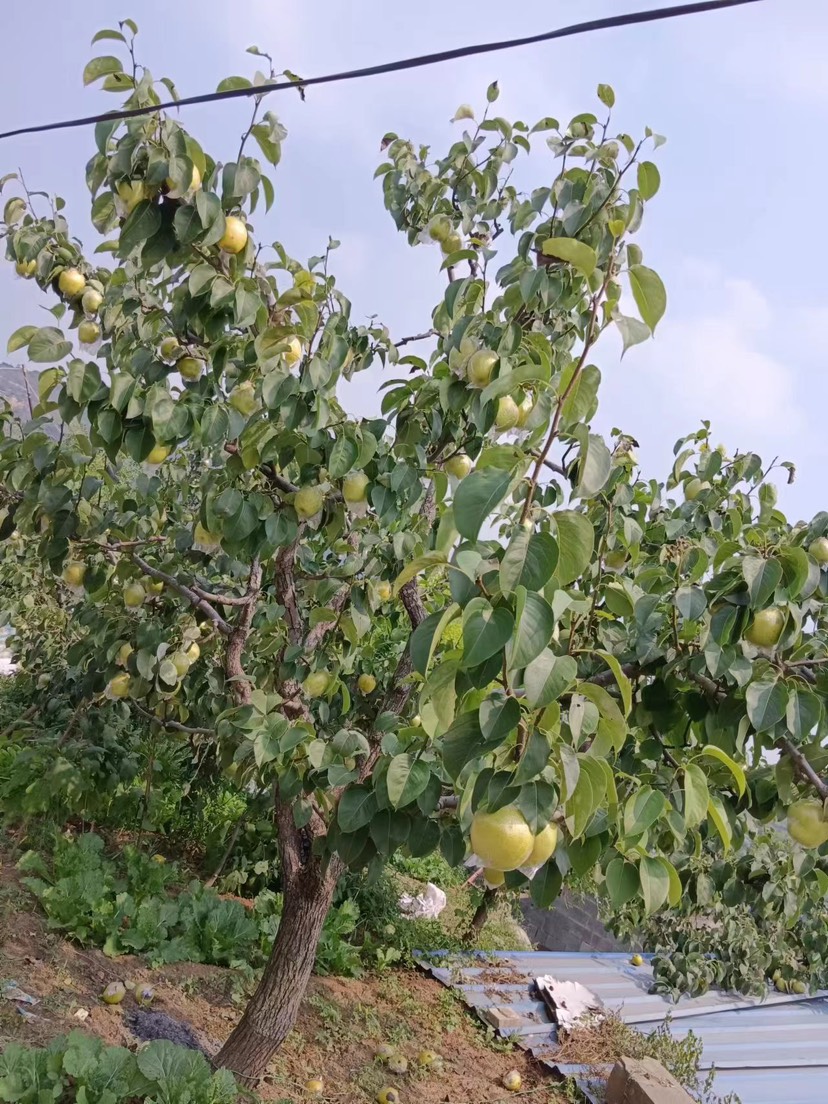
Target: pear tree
[{"x": 464, "y": 622}]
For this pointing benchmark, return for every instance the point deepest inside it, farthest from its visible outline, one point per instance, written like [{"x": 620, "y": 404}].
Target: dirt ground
[{"x": 341, "y": 1024}]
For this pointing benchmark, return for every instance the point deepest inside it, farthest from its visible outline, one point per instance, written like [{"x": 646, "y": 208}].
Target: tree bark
[
  {"x": 480, "y": 916},
  {"x": 308, "y": 889}
]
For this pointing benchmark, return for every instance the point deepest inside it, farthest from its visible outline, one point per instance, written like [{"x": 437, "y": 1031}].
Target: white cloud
[{"x": 714, "y": 363}]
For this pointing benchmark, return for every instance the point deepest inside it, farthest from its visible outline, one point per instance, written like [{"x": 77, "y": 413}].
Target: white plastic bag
[{"x": 425, "y": 906}]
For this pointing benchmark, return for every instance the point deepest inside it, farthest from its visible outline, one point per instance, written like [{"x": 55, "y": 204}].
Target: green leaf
[
  {"x": 406, "y": 779},
  {"x": 642, "y": 810},
  {"x": 534, "y": 758},
  {"x": 508, "y": 382},
  {"x": 344, "y": 456},
  {"x": 582, "y": 803},
  {"x": 633, "y": 331},
  {"x": 795, "y": 565},
  {"x": 266, "y": 745},
  {"x": 357, "y": 807},
  {"x": 576, "y": 540},
  {"x": 533, "y": 631},
  {"x": 804, "y": 712},
  {"x": 231, "y": 84},
  {"x": 762, "y": 577},
  {"x": 695, "y": 795},
  {"x": 498, "y": 716},
  {"x": 623, "y": 881},
  {"x": 47, "y": 345},
  {"x": 83, "y": 381},
  {"x": 101, "y": 67},
  {"x": 529, "y": 561},
  {"x": 485, "y": 631},
  {"x": 714, "y": 752},
  {"x": 612, "y": 723},
  {"x": 426, "y": 637},
  {"x": 418, "y": 564},
  {"x": 201, "y": 279},
  {"x": 476, "y": 498},
  {"x": 546, "y": 885},
  {"x": 440, "y": 694},
  {"x": 649, "y": 179},
  {"x": 594, "y": 466},
  {"x": 547, "y": 677},
  {"x": 107, "y": 34},
  {"x": 690, "y": 602},
  {"x": 675, "y": 891},
  {"x": 649, "y": 294},
  {"x": 389, "y": 831},
  {"x": 537, "y": 801},
  {"x": 655, "y": 883},
  {"x": 624, "y": 684},
  {"x": 21, "y": 338},
  {"x": 141, "y": 224},
  {"x": 574, "y": 252},
  {"x": 606, "y": 95},
  {"x": 463, "y": 742},
  {"x": 766, "y": 704},
  {"x": 187, "y": 223},
  {"x": 718, "y": 814}
]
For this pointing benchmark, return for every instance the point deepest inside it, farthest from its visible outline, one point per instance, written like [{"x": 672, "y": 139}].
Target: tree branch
[
  {"x": 223, "y": 599},
  {"x": 185, "y": 592},
  {"x": 119, "y": 546},
  {"x": 233, "y": 669},
  {"x": 803, "y": 768},
  {"x": 278, "y": 481},
  {"x": 175, "y": 726},
  {"x": 285, "y": 584},
  {"x": 415, "y": 337},
  {"x": 589, "y": 339},
  {"x": 322, "y": 628}
]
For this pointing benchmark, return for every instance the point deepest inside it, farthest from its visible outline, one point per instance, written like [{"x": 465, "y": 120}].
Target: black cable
[{"x": 606, "y": 23}]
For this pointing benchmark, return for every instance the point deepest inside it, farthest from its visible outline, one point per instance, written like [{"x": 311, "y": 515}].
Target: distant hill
[{"x": 13, "y": 387}]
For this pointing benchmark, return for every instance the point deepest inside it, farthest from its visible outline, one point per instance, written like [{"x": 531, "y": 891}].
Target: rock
[
  {"x": 148, "y": 1026},
  {"x": 644, "y": 1081}
]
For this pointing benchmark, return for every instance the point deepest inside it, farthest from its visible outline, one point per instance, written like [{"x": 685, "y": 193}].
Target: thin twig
[
  {"x": 28, "y": 392},
  {"x": 30, "y": 712},
  {"x": 174, "y": 726},
  {"x": 278, "y": 481},
  {"x": 117, "y": 546},
  {"x": 589, "y": 338},
  {"x": 415, "y": 337},
  {"x": 228, "y": 851}
]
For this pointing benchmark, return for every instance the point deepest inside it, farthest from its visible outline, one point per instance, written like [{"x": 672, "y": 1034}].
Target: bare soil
[{"x": 341, "y": 1024}]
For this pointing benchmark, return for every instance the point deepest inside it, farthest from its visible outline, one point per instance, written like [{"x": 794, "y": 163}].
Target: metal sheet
[{"x": 764, "y": 1049}]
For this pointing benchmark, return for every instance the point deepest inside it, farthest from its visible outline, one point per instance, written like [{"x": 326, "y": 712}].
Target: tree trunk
[
  {"x": 308, "y": 889},
  {"x": 481, "y": 915}
]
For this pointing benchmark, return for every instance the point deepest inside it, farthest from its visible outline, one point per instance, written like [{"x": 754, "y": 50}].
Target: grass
[{"x": 604, "y": 1041}]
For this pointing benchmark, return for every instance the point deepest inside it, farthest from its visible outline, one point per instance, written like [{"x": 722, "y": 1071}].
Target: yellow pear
[{"x": 234, "y": 238}]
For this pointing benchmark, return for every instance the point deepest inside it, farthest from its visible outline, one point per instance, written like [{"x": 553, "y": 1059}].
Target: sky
[{"x": 737, "y": 231}]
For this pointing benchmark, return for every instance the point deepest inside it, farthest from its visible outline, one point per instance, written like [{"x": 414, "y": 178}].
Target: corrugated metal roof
[{"x": 765, "y": 1050}]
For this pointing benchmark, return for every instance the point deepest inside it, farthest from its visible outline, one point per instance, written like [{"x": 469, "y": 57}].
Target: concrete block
[{"x": 644, "y": 1081}]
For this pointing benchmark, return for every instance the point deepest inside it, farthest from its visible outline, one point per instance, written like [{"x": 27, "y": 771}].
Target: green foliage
[
  {"x": 81, "y": 1067},
  {"x": 610, "y": 1039},
  {"x": 135, "y": 905},
  {"x": 744, "y": 921},
  {"x": 126, "y": 906},
  {"x": 608, "y": 651}
]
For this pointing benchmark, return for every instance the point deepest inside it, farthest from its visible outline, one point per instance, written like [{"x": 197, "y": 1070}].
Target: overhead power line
[{"x": 607, "y": 23}]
